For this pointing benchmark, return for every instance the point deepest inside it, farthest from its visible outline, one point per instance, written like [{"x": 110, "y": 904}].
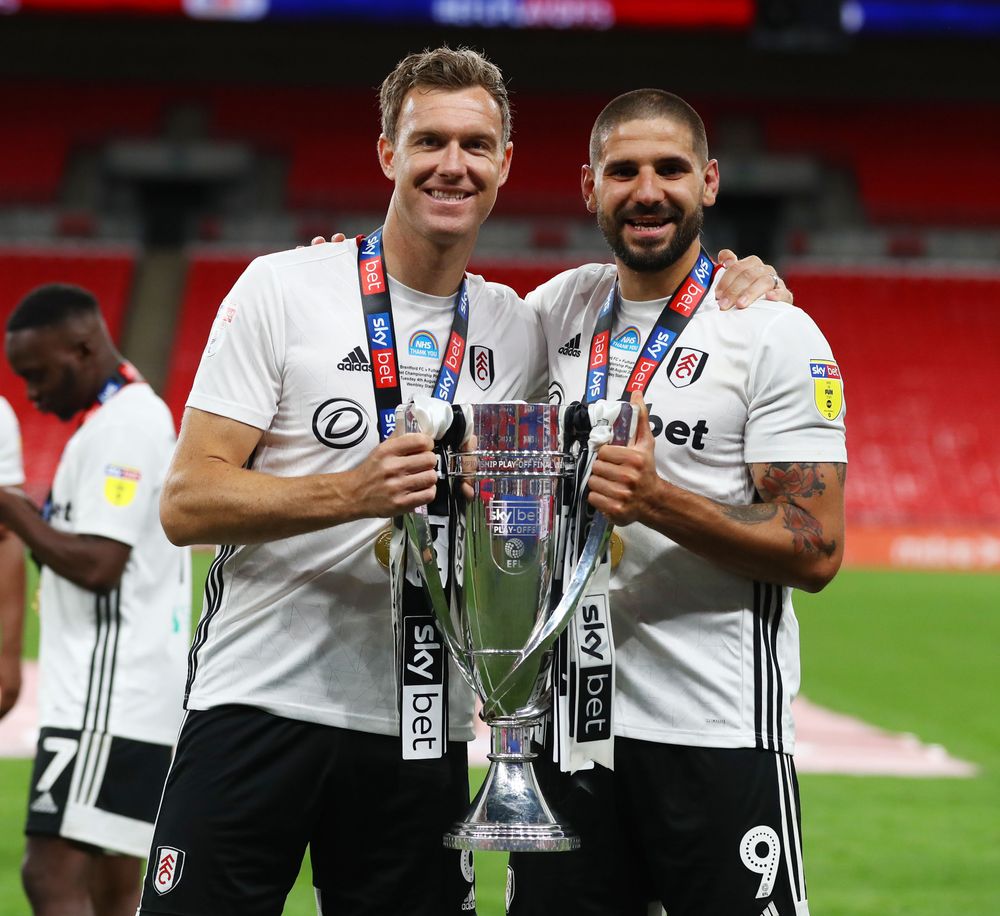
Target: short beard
[{"x": 651, "y": 260}]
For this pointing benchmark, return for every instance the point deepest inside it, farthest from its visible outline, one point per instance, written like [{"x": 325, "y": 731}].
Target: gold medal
[
  {"x": 617, "y": 549},
  {"x": 381, "y": 546}
]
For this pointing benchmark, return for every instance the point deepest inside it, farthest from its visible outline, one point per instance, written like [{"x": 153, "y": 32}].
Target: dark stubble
[{"x": 650, "y": 260}]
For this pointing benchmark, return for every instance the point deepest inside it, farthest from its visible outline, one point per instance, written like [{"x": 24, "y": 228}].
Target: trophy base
[{"x": 510, "y": 814}]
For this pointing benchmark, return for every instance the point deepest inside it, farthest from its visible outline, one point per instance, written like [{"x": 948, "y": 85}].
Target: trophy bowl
[{"x": 511, "y": 470}]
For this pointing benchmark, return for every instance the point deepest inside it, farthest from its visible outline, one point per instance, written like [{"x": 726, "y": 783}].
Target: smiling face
[
  {"x": 648, "y": 188},
  {"x": 448, "y": 162}
]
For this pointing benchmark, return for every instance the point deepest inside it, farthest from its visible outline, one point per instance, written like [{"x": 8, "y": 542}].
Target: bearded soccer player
[
  {"x": 115, "y": 605},
  {"x": 730, "y": 496}
]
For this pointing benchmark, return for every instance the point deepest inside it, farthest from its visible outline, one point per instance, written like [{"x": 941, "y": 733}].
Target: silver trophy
[{"x": 509, "y": 469}]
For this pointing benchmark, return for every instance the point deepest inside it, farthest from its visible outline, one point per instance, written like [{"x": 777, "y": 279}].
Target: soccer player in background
[
  {"x": 11, "y": 568},
  {"x": 114, "y": 600},
  {"x": 731, "y": 495}
]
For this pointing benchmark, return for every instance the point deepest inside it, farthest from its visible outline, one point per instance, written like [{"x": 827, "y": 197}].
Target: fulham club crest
[
  {"x": 685, "y": 366},
  {"x": 169, "y": 864},
  {"x": 481, "y": 366}
]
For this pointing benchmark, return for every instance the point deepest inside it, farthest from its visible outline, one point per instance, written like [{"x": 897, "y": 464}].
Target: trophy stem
[{"x": 509, "y": 813}]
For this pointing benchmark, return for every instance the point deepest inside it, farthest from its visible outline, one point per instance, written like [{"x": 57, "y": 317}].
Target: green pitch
[{"x": 911, "y": 652}]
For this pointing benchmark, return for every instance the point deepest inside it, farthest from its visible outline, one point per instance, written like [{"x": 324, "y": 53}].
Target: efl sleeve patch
[
  {"x": 120, "y": 483},
  {"x": 828, "y": 387}
]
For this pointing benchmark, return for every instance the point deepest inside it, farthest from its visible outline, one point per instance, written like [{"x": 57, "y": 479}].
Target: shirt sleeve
[
  {"x": 796, "y": 395},
  {"x": 119, "y": 475},
  {"x": 240, "y": 373},
  {"x": 11, "y": 467}
]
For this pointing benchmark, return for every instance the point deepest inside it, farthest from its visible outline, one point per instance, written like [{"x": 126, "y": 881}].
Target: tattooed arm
[{"x": 794, "y": 537}]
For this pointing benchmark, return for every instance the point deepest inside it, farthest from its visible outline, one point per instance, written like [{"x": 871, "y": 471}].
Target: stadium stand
[
  {"x": 917, "y": 349},
  {"x": 864, "y": 252}
]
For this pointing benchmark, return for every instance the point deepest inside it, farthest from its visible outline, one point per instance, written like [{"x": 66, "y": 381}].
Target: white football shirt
[
  {"x": 705, "y": 657},
  {"x": 116, "y": 662},
  {"x": 11, "y": 468},
  {"x": 302, "y": 627}
]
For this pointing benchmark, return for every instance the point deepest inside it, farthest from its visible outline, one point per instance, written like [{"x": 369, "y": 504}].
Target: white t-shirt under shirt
[
  {"x": 116, "y": 662},
  {"x": 301, "y": 627},
  {"x": 11, "y": 468},
  {"x": 705, "y": 657}
]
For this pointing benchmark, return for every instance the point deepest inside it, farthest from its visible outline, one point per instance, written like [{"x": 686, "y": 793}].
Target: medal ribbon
[
  {"x": 422, "y": 689},
  {"x": 381, "y": 333},
  {"x": 124, "y": 375},
  {"x": 676, "y": 314}
]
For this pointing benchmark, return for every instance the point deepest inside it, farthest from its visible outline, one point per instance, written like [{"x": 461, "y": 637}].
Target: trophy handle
[{"x": 420, "y": 535}]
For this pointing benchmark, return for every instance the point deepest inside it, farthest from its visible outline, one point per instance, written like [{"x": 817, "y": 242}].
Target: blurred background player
[
  {"x": 732, "y": 494},
  {"x": 115, "y": 610},
  {"x": 11, "y": 567}
]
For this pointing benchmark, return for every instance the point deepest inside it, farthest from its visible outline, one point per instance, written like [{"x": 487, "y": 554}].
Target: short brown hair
[
  {"x": 643, "y": 104},
  {"x": 442, "y": 68}
]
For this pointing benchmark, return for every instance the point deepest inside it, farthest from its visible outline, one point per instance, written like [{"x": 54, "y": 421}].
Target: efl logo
[{"x": 169, "y": 865}]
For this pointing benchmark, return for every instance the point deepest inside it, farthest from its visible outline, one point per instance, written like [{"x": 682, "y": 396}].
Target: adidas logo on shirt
[
  {"x": 355, "y": 361},
  {"x": 571, "y": 347}
]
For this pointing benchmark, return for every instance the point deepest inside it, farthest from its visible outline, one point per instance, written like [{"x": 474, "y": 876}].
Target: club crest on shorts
[
  {"x": 169, "y": 865},
  {"x": 481, "y": 365},
  {"x": 685, "y": 366}
]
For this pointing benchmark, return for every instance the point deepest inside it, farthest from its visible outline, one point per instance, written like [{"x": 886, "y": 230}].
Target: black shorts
[
  {"x": 96, "y": 788},
  {"x": 704, "y": 831},
  {"x": 248, "y": 791}
]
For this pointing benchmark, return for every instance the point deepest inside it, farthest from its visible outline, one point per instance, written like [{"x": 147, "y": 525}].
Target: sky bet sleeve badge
[
  {"x": 828, "y": 387},
  {"x": 120, "y": 483}
]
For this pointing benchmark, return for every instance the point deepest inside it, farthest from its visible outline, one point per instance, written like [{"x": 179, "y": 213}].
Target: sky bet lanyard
[
  {"x": 676, "y": 314},
  {"x": 421, "y": 663},
  {"x": 583, "y": 669},
  {"x": 382, "y": 336}
]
